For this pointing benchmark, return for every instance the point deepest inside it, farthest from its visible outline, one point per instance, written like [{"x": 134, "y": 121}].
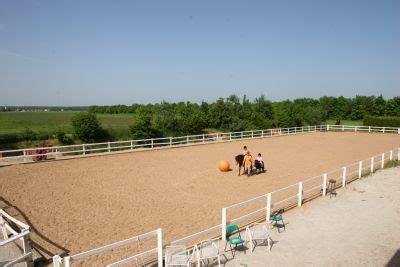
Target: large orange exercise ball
[{"x": 223, "y": 166}]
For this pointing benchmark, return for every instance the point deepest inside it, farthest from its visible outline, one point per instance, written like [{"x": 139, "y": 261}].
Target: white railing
[
  {"x": 296, "y": 194},
  {"x": 17, "y": 156},
  {"x": 66, "y": 261},
  {"x": 10, "y": 235}
]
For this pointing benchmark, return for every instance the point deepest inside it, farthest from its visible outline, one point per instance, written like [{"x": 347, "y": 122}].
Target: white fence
[
  {"x": 294, "y": 195},
  {"x": 17, "y": 156},
  {"x": 13, "y": 235},
  {"x": 66, "y": 261}
]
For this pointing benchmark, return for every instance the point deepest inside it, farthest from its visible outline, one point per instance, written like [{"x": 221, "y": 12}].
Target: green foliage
[
  {"x": 382, "y": 121},
  {"x": 142, "y": 127},
  {"x": 392, "y": 164},
  {"x": 232, "y": 113},
  {"x": 87, "y": 127},
  {"x": 63, "y": 138}
]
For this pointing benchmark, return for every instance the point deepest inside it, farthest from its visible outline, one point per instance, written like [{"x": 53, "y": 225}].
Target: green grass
[
  {"x": 51, "y": 121},
  {"x": 346, "y": 122}
]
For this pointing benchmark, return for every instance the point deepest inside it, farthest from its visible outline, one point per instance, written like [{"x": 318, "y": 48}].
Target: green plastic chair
[
  {"x": 278, "y": 219},
  {"x": 233, "y": 240}
]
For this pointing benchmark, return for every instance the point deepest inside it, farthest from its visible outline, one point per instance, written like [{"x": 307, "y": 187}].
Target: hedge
[{"x": 381, "y": 121}]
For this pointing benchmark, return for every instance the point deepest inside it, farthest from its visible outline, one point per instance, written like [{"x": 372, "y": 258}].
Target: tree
[
  {"x": 393, "y": 107},
  {"x": 142, "y": 127},
  {"x": 87, "y": 127}
]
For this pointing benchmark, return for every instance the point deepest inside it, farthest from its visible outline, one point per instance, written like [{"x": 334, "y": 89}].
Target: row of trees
[{"x": 238, "y": 114}]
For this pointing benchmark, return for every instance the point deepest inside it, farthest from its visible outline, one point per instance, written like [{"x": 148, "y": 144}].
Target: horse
[
  {"x": 239, "y": 161},
  {"x": 259, "y": 166}
]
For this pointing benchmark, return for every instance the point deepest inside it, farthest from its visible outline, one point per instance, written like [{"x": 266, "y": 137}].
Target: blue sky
[{"x": 123, "y": 52}]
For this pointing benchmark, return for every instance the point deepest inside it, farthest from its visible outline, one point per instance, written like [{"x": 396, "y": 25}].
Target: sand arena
[{"x": 79, "y": 204}]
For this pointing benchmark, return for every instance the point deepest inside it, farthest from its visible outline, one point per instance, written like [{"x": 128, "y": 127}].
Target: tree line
[{"x": 238, "y": 114}]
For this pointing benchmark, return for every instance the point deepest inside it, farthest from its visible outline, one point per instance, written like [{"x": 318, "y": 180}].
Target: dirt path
[{"x": 79, "y": 204}]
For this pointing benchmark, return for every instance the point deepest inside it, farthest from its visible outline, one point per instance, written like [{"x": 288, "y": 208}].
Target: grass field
[{"x": 51, "y": 121}]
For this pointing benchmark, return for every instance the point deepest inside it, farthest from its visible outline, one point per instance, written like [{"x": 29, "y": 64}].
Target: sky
[{"x": 63, "y": 53}]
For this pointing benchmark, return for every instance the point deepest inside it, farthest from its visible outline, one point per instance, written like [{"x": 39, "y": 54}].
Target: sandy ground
[
  {"x": 360, "y": 227},
  {"x": 75, "y": 205}
]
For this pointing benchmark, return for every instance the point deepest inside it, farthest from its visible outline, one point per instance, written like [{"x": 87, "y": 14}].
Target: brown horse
[{"x": 239, "y": 161}]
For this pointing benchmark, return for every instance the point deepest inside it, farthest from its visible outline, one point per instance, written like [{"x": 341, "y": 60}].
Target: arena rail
[
  {"x": 10, "y": 235},
  {"x": 67, "y": 260},
  {"x": 296, "y": 194},
  {"x": 18, "y": 156}
]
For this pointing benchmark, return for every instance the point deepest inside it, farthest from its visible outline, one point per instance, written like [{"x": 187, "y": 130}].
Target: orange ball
[{"x": 223, "y": 166}]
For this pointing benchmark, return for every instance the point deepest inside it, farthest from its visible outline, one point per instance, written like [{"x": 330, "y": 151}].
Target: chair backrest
[
  {"x": 259, "y": 231},
  {"x": 230, "y": 229},
  {"x": 278, "y": 213},
  {"x": 175, "y": 254},
  {"x": 209, "y": 249}
]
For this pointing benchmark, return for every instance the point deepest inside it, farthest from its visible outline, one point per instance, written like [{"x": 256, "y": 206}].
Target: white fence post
[
  {"x": 223, "y": 225},
  {"x": 383, "y": 160},
  {"x": 109, "y": 146},
  {"x": 152, "y": 143},
  {"x": 391, "y": 155},
  {"x": 359, "y": 169},
  {"x": 131, "y": 144},
  {"x": 372, "y": 164},
  {"x": 324, "y": 185},
  {"x": 344, "y": 177},
  {"x": 170, "y": 141},
  {"x": 230, "y": 136},
  {"x": 262, "y": 133},
  {"x": 67, "y": 261},
  {"x": 204, "y": 138},
  {"x": 342, "y": 128},
  {"x": 187, "y": 139},
  {"x": 241, "y": 135},
  {"x": 327, "y": 127},
  {"x": 268, "y": 207},
  {"x": 383, "y": 130},
  {"x": 159, "y": 247},
  {"x": 300, "y": 197},
  {"x": 252, "y": 134},
  {"x": 83, "y": 149},
  {"x": 369, "y": 129},
  {"x": 57, "y": 261},
  {"x": 25, "y": 159}
]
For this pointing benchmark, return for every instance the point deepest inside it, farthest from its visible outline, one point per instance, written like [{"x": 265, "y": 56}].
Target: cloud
[{"x": 14, "y": 55}]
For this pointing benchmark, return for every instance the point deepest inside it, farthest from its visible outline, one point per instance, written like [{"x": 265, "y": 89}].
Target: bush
[
  {"x": 87, "y": 127},
  {"x": 63, "y": 138},
  {"x": 382, "y": 121}
]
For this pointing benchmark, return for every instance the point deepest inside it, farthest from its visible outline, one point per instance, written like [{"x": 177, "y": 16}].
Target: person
[
  {"x": 245, "y": 150},
  {"x": 247, "y": 162},
  {"x": 259, "y": 162}
]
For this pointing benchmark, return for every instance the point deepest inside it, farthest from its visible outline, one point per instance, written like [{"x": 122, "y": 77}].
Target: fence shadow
[{"x": 45, "y": 254}]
